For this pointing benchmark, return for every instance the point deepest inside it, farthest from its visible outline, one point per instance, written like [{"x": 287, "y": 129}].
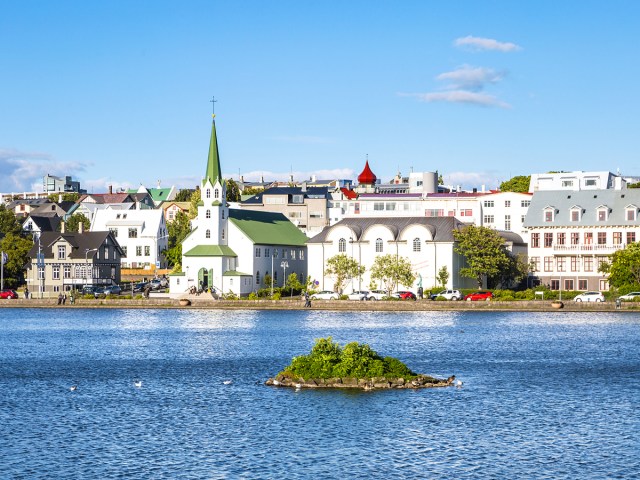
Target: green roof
[
  {"x": 210, "y": 251},
  {"x": 267, "y": 228},
  {"x": 235, "y": 273},
  {"x": 214, "y": 171},
  {"x": 157, "y": 194}
]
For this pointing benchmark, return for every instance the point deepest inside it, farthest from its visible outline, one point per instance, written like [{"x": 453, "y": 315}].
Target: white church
[{"x": 231, "y": 251}]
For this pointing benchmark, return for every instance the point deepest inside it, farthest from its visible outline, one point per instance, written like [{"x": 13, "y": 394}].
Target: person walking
[
  {"x": 307, "y": 300},
  {"x": 59, "y": 299},
  {"x": 26, "y": 292}
]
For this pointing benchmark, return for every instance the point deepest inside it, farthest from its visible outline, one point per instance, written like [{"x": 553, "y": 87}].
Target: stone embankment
[{"x": 421, "y": 381}]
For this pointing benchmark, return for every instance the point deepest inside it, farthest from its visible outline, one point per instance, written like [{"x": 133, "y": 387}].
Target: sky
[{"x": 119, "y": 92}]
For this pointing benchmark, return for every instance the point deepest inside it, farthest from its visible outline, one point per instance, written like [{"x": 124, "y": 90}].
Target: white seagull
[
  {"x": 73, "y": 388},
  {"x": 137, "y": 383},
  {"x": 227, "y": 382},
  {"x": 459, "y": 383}
]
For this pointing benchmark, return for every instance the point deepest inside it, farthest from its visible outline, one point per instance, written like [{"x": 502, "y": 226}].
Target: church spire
[{"x": 213, "y": 172}]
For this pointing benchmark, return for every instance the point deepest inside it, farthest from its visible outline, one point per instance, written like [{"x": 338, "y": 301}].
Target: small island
[{"x": 355, "y": 365}]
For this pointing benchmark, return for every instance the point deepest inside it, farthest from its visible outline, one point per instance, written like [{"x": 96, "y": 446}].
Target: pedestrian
[
  {"x": 420, "y": 292},
  {"x": 307, "y": 300},
  {"x": 72, "y": 299},
  {"x": 64, "y": 298},
  {"x": 26, "y": 292},
  {"x": 59, "y": 299}
]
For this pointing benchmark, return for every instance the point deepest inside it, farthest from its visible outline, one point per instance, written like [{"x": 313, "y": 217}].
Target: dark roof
[
  {"x": 46, "y": 223},
  {"x": 309, "y": 192},
  {"x": 79, "y": 242}
]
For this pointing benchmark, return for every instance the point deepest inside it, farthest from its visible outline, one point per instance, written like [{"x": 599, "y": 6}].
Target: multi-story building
[
  {"x": 53, "y": 184},
  {"x": 572, "y": 232},
  {"x": 576, "y": 181}
]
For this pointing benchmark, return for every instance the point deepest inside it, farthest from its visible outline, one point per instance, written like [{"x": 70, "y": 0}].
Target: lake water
[{"x": 545, "y": 395}]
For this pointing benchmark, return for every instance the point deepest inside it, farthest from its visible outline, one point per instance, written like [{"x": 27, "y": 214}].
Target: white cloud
[
  {"x": 460, "y": 96},
  {"x": 24, "y": 171},
  {"x": 471, "y": 78},
  {"x": 482, "y": 44}
]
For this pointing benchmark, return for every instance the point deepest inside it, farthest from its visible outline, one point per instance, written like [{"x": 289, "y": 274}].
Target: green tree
[
  {"x": 624, "y": 266},
  {"x": 66, "y": 197},
  {"x": 17, "y": 249},
  {"x": 519, "y": 183},
  {"x": 251, "y": 191},
  {"x": 443, "y": 276},
  {"x": 233, "y": 191},
  {"x": 516, "y": 269},
  {"x": 392, "y": 271},
  {"x": 633, "y": 185},
  {"x": 193, "y": 208},
  {"x": 178, "y": 229},
  {"x": 72, "y": 225},
  {"x": 484, "y": 252},
  {"x": 343, "y": 267},
  {"x": 8, "y": 222},
  {"x": 184, "y": 195},
  {"x": 440, "y": 180}
]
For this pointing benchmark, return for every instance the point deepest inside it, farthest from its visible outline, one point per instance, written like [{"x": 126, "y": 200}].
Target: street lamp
[
  {"x": 284, "y": 264},
  {"x": 86, "y": 262}
]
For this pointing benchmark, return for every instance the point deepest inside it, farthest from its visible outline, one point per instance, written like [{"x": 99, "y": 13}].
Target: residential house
[
  {"x": 46, "y": 222},
  {"x": 172, "y": 208}
]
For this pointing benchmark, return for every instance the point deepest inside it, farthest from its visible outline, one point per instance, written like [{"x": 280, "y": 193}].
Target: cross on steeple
[{"x": 213, "y": 105}]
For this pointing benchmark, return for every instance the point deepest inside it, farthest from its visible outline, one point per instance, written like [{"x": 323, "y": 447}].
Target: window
[
  {"x": 548, "y": 264},
  {"x": 582, "y": 284},
  {"x": 631, "y": 237},
  {"x": 575, "y": 215},
  {"x": 590, "y": 182},
  {"x": 535, "y": 264},
  {"x": 467, "y": 212},
  {"x": 588, "y": 238},
  {"x": 257, "y": 252},
  {"x": 617, "y": 238},
  {"x": 41, "y": 273},
  {"x": 223, "y": 234},
  {"x": 588, "y": 264},
  {"x": 124, "y": 251},
  {"x": 390, "y": 206},
  {"x": 575, "y": 238},
  {"x": 602, "y": 238},
  {"x": 507, "y": 222},
  {"x": 133, "y": 233},
  {"x": 602, "y": 215},
  {"x": 631, "y": 214},
  {"x": 507, "y": 203},
  {"x": 293, "y": 254},
  {"x": 316, "y": 215},
  {"x": 207, "y": 234},
  {"x": 561, "y": 264},
  {"x": 284, "y": 253},
  {"x": 216, "y": 193},
  {"x": 535, "y": 240},
  {"x": 258, "y": 278},
  {"x": 379, "y": 245},
  {"x": 139, "y": 251},
  {"x": 548, "y": 215},
  {"x": 522, "y": 218},
  {"x": 525, "y": 203},
  {"x": 548, "y": 239},
  {"x": 342, "y": 245},
  {"x": 170, "y": 215},
  {"x": 222, "y": 213},
  {"x": 208, "y": 193},
  {"x": 488, "y": 203},
  {"x": 568, "y": 284},
  {"x": 275, "y": 276},
  {"x": 489, "y": 219},
  {"x": 561, "y": 238},
  {"x": 67, "y": 271},
  {"x": 62, "y": 251},
  {"x": 207, "y": 214},
  {"x": 574, "y": 264},
  {"x": 436, "y": 212},
  {"x": 567, "y": 183},
  {"x": 555, "y": 284},
  {"x": 416, "y": 244},
  {"x": 275, "y": 252},
  {"x": 56, "y": 272},
  {"x": 301, "y": 256},
  {"x": 114, "y": 232},
  {"x": 267, "y": 252},
  {"x": 106, "y": 252},
  {"x": 147, "y": 250}
]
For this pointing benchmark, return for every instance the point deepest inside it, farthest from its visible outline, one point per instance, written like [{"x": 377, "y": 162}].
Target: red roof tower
[{"x": 367, "y": 177}]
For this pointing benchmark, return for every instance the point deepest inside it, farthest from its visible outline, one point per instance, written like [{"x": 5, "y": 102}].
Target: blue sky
[{"x": 117, "y": 93}]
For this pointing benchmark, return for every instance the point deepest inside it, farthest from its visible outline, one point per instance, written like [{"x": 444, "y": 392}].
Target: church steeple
[{"x": 213, "y": 172}]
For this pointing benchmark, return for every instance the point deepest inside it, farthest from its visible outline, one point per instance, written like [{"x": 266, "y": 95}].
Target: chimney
[
  {"x": 80, "y": 227},
  {"x": 242, "y": 178},
  {"x": 59, "y": 198},
  {"x": 110, "y": 189},
  {"x": 313, "y": 178},
  {"x": 62, "y": 227}
]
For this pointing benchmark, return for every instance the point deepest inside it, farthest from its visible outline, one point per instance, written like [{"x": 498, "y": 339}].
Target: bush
[
  {"x": 253, "y": 296},
  {"x": 276, "y": 296},
  {"x": 356, "y": 360}
]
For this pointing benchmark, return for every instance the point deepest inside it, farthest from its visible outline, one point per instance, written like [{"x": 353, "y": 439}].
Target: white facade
[
  {"x": 575, "y": 181},
  {"x": 142, "y": 234}
]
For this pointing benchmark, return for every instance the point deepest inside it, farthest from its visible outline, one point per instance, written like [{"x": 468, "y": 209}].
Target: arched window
[
  {"x": 208, "y": 214},
  {"x": 378, "y": 245},
  {"x": 416, "y": 244},
  {"x": 258, "y": 278},
  {"x": 216, "y": 193},
  {"x": 342, "y": 245},
  {"x": 207, "y": 234},
  {"x": 208, "y": 193}
]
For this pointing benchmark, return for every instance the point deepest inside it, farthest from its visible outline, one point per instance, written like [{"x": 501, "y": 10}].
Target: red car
[
  {"x": 8, "y": 293},
  {"x": 475, "y": 296},
  {"x": 405, "y": 295}
]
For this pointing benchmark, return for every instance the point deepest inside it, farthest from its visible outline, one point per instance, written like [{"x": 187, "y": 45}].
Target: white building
[
  {"x": 142, "y": 235},
  {"x": 576, "y": 181}
]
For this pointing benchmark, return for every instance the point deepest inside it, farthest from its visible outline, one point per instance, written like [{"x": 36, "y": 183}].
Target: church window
[
  {"x": 416, "y": 244},
  {"x": 223, "y": 233},
  {"x": 257, "y": 252},
  {"x": 258, "y": 278},
  {"x": 207, "y": 214},
  {"x": 342, "y": 245},
  {"x": 216, "y": 193},
  {"x": 208, "y": 193},
  {"x": 379, "y": 245},
  {"x": 208, "y": 234}
]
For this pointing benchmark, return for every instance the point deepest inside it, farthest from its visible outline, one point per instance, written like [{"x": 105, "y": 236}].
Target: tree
[
  {"x": 178, "y": 229},
  {"x": 484, "y": 251},
  {"x": 440, "y": 180},
  {"x": 72, "y": 225},
  {"x": 184, "y": 195},
  {"x": 342, "y": 267},
  {"x": 633, "y": 185},
  {"x": 516, "y": 269},
  {"x": 624, "y": 266},
  {"x": 233, "y": 191},
  {"x": 193, "y": 208},
  {"x": 251, "y": 191},
  {"x": 8, "y": 222},
  {"x": 66, "y": 197},
  {"x": 519, "y": 183},
  {"x": 443, "y": 276},
  {"x": 392, "y": 271},
  {"x": 17, "y": 249}
]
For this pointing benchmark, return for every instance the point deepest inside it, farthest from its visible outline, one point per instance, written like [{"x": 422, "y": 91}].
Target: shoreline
[{"x": 329, "y": 305}]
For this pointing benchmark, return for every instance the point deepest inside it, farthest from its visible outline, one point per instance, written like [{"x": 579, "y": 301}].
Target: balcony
[{"x": 606, "y": 248}]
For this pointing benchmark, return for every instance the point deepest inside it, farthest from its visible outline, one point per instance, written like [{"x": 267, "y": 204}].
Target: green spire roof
[{"x": 213, "y": 172}]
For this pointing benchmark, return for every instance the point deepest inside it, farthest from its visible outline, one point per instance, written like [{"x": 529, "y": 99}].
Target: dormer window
[
  {"x": 602, "y": 214},
  {"x": 631, "y": 213},
  {"x": 548, "y": 214},
  {"x": 575, "y": 214}
]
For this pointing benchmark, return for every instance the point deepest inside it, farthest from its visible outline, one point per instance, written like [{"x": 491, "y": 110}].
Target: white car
[
  {"x": 378, "y": 295},
  {"x": 324, "y": 295},
  {"x": 631, "y": 297},
  {"x": 358, "y": 295},
  {"x": 589, "y": 297},
  {"x": 448, "y": 294}
]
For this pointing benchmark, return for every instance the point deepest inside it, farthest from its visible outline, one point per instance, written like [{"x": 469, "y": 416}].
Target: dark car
[
  {"x": 89, "y": 289},
  {"x": 477, "y": 296},
  {"x": 139, "y": 287},
  {"x": 405, "y": 295},
  {"x": 8, "y": 293}
]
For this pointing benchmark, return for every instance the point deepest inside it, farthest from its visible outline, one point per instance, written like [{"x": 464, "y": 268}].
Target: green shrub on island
[{"x": 355, "y": 360}]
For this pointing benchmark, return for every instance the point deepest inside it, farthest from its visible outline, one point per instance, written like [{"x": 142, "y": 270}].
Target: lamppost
[
  {"x": 86, "y": 262},
  {"x": 272, "y": 255},
  {"x": 284, "y": 264}
]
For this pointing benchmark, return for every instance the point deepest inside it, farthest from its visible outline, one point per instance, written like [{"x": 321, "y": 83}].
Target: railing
[{"x": 588, "y": 248}]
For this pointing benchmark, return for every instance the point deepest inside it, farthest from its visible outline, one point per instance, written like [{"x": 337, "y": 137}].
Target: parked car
[
  {"x": 631, "y": 297},
  {"x": 99, "y": 292},
  {"x": 112, "y": 290},
  {"x": 589, "y": 297},
  {"x": 89, "y": 289},
  {"x": 139, "y": 287},
  {"x": 156, "y": 284},
  {"x": 378, "y": 295},
  {"x": 8, "y": 293},
  {"x": 477, "y": 296},
  {"x": 448, "y": 294},
  {"x": 405, "y": 295},
  {"x": 324, "y": 295},
  {"x": 358, "y": 295}
]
